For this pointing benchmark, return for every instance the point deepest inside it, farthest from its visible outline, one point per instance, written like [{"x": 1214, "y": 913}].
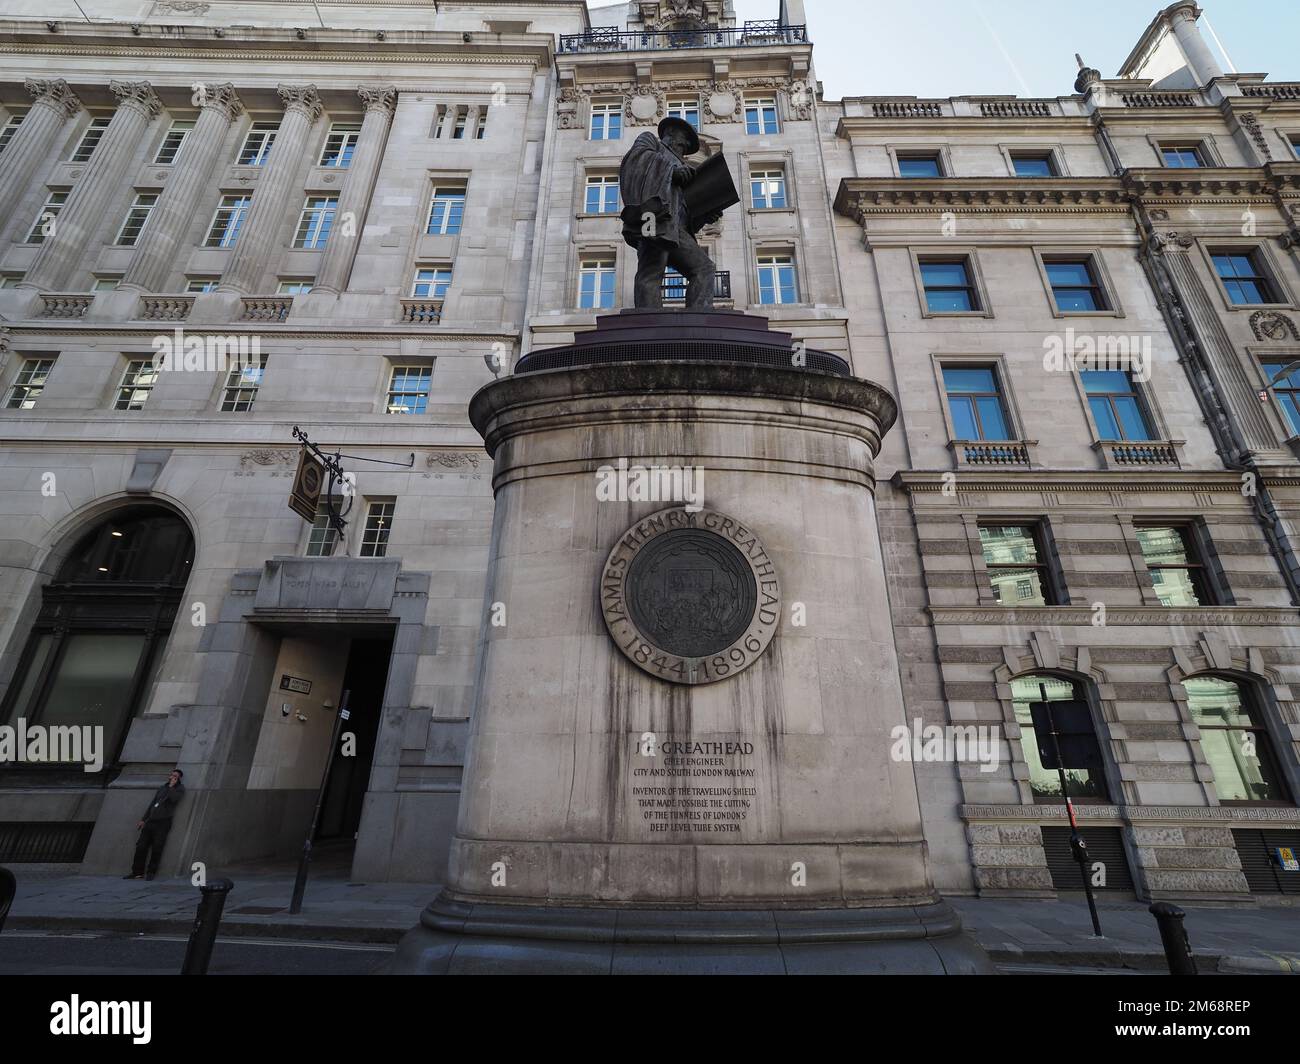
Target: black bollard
[
  {"x": 206, "y": 921},
  {"x": 1178, "y": 950}
]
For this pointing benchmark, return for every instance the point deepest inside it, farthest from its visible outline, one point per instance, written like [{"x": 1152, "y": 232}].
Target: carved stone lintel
[
  {"x": 301, "y": 98},
  {"x": 267, "y": 456},
  {"x": 453, "y": 460},
  {"x": 139, "y": 94},
  {"x": 379, "y": 97},
  {"x": 55, "y": 92},
  {"x": 645, "y": 106},
  {"x": 188, "y": 7},
  {"x": 223, "y": 99}
]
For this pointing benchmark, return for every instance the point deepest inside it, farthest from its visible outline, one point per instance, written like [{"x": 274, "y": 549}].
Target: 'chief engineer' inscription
[
  {"x": 690, "y": 597},
  {"x": 694, "y": 788}
]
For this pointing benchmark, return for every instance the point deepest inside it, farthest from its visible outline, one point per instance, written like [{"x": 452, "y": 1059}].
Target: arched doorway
[{"x": 97, "y": 641}]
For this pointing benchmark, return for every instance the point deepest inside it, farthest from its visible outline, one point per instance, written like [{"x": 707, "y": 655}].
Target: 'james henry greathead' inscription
[
  {"x": 693, "y": 787},
  {"x": 691, "y": 598}
]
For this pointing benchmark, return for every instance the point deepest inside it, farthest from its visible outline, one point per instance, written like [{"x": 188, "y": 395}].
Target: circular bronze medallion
[{"x": 690, "y": 597}]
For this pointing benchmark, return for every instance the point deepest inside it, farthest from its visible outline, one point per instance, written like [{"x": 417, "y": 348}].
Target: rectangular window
[
  {"x": 1074, "y": 285},
  {"x": 602, "y": 194},
  {"x": 242, "y": 382},
  {"x": 596, "y": 279},
  {"x": 201, "y": 284},
  {"x": 44, "y": 224},
  {"x": 257, "y": 144},
  {"x": 1115, "y": 404},
  {"x": 172, "y": 142},
  {"x": 224, "y": 230},
  {"x": 431, "y": 282},
  {"x": 916, "y": 164},
  {"x": 687, "y": 108},
  {"x": 136, "y": 218},
  {"x": 315, "y": 222},
  {"x": 975, "y": 403},
  {"x": 340, "y": 143},
  {"x": 1182, "y": 156},
  {"x": 137, "y": 383},
  {"x": 446, "y": 209},
  {"x": 30, "y": 382},
  {"x": 1244, "y": 277},
  {"x": 462, "y": 120},
  {"x": 10, "y": 280},
  {"x": 1033, "y": 164},
  {"x": 607, "y": 121},
  {"x": 374, "y": 537},
  {"x": 294, "y": 288},
  {"x": 107, "y": 282},
  {"x": 1295, "y": 145},
  {"x": 948, "y": 286},
  {"x": 1014, "y": 558},
  {"x": 323, "y": 535},
  {"x": 1235, "y": 741},
  {"x": 1177, "y": 574},
  {"x": 10, "y": 128},
  {"x": 760, "y": 115},
  {"x": 480, "y": 130},
  {"x": 408, "y": 389},
  {"x": 90, "y": 140},
  {"x": 1075, "y": 732},
  {"x": 767, "y": 189},
  {"x": 1286, "y": 386},
  {"x": 777, "y": 282}
]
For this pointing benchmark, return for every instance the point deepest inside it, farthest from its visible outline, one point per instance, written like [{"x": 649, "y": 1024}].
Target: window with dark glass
[
  {"x": 920, "y": 165},
  {"x": 1177, "y": 572},
  {"x": 1033, "y": 164},
  {"x": 1074, "y": 285},
  {"x": 1244, "y": 276},
  {"x": 100, "y": 631},
  {"x": 1285, "y": 379},
  {"x": 1235, "y": 741},
  {"x": 975, "y": 403},
  {"x": 948, "y": 286},
  {"x": 1182, "y": 156},
  {"x": 1115, "y": 404},
  {"x": 1015, "y": 561},
  {"x": 374, "y": 537},
  {"x": 1076, "y": 736}
]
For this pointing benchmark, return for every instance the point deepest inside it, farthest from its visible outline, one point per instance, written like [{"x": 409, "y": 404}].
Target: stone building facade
[{"x": 1085, "y": 305}]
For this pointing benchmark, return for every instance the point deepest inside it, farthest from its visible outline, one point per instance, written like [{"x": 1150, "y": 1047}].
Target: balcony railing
[
  {"x": 1143, "y": 454},
  {"x": 993, "y": 454},
  {"x": 165, "y": 308},
  {"x": 422, "y": 311},
  {"x": 674, "y": 287},
  {"x": 266, "y": 308},
  {"x": 1278, "y": 90},
  {"x": 752, "y": 34},
  {"x": 1159, "y": 99},
  {"x": 65, "y": 306}
]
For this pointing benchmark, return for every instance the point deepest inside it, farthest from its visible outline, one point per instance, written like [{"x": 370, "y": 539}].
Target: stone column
[
  {"x": 257, "y": 236},
  {"x": 341, "y": 249},
  {"x": 1204, "y": 66},
  {"x": 53, "y": 104},
  {"x": 100, "y": 183},
  {"x": 156, "y": 250}
]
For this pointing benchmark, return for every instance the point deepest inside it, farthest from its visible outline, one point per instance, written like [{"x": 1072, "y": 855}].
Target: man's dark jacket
[
  {"x": 165, "y": 801},
  {"x": 645, "y": 181}
]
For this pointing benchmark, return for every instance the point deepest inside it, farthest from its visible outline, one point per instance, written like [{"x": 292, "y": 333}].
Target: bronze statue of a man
[{"x": 656, "y": 219}]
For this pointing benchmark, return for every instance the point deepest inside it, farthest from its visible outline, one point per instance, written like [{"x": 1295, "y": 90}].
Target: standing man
[
  {"x": 155, "y": 825},
  {"x": 656, "y": 220}
]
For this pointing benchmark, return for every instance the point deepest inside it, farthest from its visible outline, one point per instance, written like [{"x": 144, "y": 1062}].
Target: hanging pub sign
[{"x": 304, "y": 499}]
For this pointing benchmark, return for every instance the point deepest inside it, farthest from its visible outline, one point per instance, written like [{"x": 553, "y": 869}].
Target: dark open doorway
[{"x": 365, "y": 677}]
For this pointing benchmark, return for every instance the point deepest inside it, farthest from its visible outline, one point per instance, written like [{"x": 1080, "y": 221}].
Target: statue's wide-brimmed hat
[{"x": 692, "y": 138}]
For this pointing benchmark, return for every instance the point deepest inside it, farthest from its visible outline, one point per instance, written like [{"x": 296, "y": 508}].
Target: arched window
[
  {"x": 98, "y": 639},
  {"x": 1235, "y": 740},
  {"x": 1076, "y": 736}
]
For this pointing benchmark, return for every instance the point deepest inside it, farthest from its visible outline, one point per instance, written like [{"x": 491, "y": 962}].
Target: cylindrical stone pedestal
[{"x": 680, "y": 751}]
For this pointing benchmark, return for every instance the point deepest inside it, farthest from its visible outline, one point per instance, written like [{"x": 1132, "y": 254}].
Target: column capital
[
  {"x": 379, "y": 97},
  {"x": 139, "y": 93},
  {"x": 220, "y": 98},
  {"x": 54, "y": 91},
  {"x": 301, "y": 98}
]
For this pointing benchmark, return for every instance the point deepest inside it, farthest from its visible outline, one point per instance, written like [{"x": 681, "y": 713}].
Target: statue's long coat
[{"x": 646, "y": 175}]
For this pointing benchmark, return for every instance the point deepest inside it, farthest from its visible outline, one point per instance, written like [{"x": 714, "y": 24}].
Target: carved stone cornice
[
  {"x": 1116, "y": 616},
  {"x": 1234, "y": 183},
  {"x": 55, "y": 93},
  {"x": 222, "y": 99},
  {"x": 381, "y": 98},
  {"x": 1070, "y": 481},
  {"x": 139, "y": 94},
  {"x": 1088, "y": 811},
  {"x": 301, "y": 98},
  {"x": 862, "y": 197}
]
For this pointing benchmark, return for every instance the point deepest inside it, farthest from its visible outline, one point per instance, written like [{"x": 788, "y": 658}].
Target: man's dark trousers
[
  {"x": 687, "y": 258},
  {"x": 153, "y": 837}
]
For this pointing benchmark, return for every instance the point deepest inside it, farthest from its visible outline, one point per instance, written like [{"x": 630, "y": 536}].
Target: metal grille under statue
[
  {"x": 690, "y": 597},
  {"x": 667, "y": 202}
]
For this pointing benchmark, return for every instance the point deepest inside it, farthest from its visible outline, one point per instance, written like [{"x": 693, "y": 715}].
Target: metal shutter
[
  {"x": 1255, "y": 848},
  {"x": 44, "y": 841},
  {"x": 1104, "y": 844}
]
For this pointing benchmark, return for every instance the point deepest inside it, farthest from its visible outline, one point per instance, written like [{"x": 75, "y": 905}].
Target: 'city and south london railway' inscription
[
  {"x": 694, "y": 787},
  {"x": 690, "y": 598}
]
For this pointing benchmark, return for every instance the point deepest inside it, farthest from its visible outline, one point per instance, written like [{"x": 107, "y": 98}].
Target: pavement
[{"x": 1255, "y": 940}]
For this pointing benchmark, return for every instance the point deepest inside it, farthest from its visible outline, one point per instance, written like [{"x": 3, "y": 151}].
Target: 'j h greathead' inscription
[
  {"x": 693, "y": 787},
  {"x": 690, "y": 597}
]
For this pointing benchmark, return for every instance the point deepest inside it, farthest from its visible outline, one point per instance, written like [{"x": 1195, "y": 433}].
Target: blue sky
[{"x": 1022, "y": 47}]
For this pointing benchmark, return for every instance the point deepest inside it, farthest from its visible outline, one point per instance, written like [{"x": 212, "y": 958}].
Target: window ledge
[
  {"x": 1058, "y": 313},
  {"x": 771, "y": 210},
  {"x": 955, "y": 313}
]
